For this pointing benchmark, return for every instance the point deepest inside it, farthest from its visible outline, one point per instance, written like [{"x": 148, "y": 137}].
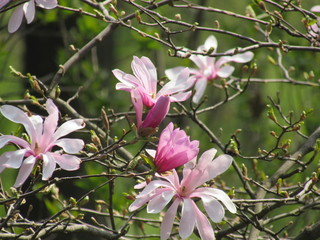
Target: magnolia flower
[
  {"x": 314, "y": 29},
  {"x": 174, "y": 149},
  {"x": 143, "y": 89},
  {"x": 209, "y": 68},
  {"x": 158, "y": 193},
  {"x": 43, "y": 135},
  {"x": 27, "y": 10},
  {"x": 144, "y": 81}
]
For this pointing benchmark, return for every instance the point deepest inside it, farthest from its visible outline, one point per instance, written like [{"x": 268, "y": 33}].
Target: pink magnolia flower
[
  {"x": 158, "y": 193},
  {"x": 314, "y": 29},
  {"x": 44, "y": 135},
  {"x": 209, "y": 68},
  {"x": 143, "y": 89},
  {"x": 174, "y": 149},
  {"x": 144, "y": 81},
  {"x": 27, "y": 10}
]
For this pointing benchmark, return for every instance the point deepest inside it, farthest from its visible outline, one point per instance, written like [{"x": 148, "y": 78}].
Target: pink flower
[
  {"x": 143, "y": 89},
  {"x": 314, "y": 29},
  {"x": 209, "y": 68},
  {"x": 27, "y": 10},
  {"x": 158, "y": 193},
  {"x": 44, "y": 135},
  {"x": 174, "y": 149},
  {"x": 144, "y": 81}
]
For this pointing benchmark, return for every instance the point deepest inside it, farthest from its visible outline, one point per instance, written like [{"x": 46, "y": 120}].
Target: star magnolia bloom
[
  {"x": 314, "y": 29},
  {"x": 174, "y": 149},
  {"x": 158, "y": 193},
  {"x": 27, "y": 10},
  {"x": 209, "y": 68},
  {"x": 44, "y": 135},
  {"x": 3, "y": 3},
  {"x": 144, "y": 81}
]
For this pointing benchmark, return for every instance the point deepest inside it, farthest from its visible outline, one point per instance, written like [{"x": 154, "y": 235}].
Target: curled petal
[
  {"x": 70, "y": 145},
  {"x": 5, "y": 139},
  {"x": 68, "y": 127},
  {"x": 167, "y": 223},
  {"x": 220, "y": 195},
  {"x": 212, "y": 206},
  {"x": 152, "y": 186},
  {"x": 138, "y": 105},
  {"x": 51, "y": 122},
  {"x": 211, "y": 42},
  {"x": 25, "y": 170}
]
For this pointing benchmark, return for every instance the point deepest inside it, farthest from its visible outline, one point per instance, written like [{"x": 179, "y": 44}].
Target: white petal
[
  {"x": 167, "y": 223},
  {"x": 152, "y": 186},
  {"x": 173, "y": 73},
  {"x": 25, "y": 170},
  {"x": 213, "y": 208},
  {"x": 29, "y": 11},
  {"x": 16, "y": 115},
  {"x": 225, "y": 71},
  {"x": 70, "y": 145},
  {"x": 159, "y": 202},
  {"x": 68, "y": 127},
  {"x": 66, "y": 161},
  {"x": 47, "y": 4},
  {"x": 211, "y": 42},
  {"x": 5, "y": 139},
  {"x": 203, "y": 225},
  {"x": 315, "y": 8},
  {"x": 221, "y": 196},
  {"x": 14, "y": 158},
  {"x": 15, "y": 19},
  {"x": 49, "y": 165},
  {"x": 188, "y": 220},
  {"x": 151, "y": 152},
  {"x": 200, "y": 87}
]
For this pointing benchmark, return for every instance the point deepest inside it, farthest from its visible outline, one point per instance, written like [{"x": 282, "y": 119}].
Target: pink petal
[
  {"x": 203, "y": 225},
  {"x": 50, "y": 123},
  {"x": 5, "y": 139},
  {"x": 156, "y": 115},
  {"x": 25, "y": 170},
  {"x": 188, "y": 220},
  {"x": 49, "y": 165},
  {"x": 16, "y": 115},
  {"x": 180, "y": 97},
  {"x": 225, "y": 71},
  {"x": 167, "y": 223},
  {"x": 37, "y": 123},
  {"x": 29, "y": 11},
  {"x": 212, "y": 206},
  {"x": 200, "y": 87},
  {"x": 15, "y": 19},
  {"x": 3, "y": 3},
  {"x": 68, "y": 127},
  {"x": 218, "y": 194},
  {"x": 14, "y": 158},
  {"x": 159, "y": 202},
  {"x": 152, "y": 186},
  {"x": 239, "y": 58},
  {"x": 173, "y": 73},
  {"x": 70, "y": 145},
  {"x": 47, "y": 4},
  {"x": 138, "y": 105},
  {"x": 66, "y": 161},
  {"x": 315, "y": 8},
  {"x": 128, "y": 81}
]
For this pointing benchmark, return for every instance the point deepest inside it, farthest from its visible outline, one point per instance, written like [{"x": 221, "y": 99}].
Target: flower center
[{"x": 37, "y": 149}]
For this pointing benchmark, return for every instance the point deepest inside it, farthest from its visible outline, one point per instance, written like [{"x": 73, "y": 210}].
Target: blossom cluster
[{"x": 175, "y": 149}]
